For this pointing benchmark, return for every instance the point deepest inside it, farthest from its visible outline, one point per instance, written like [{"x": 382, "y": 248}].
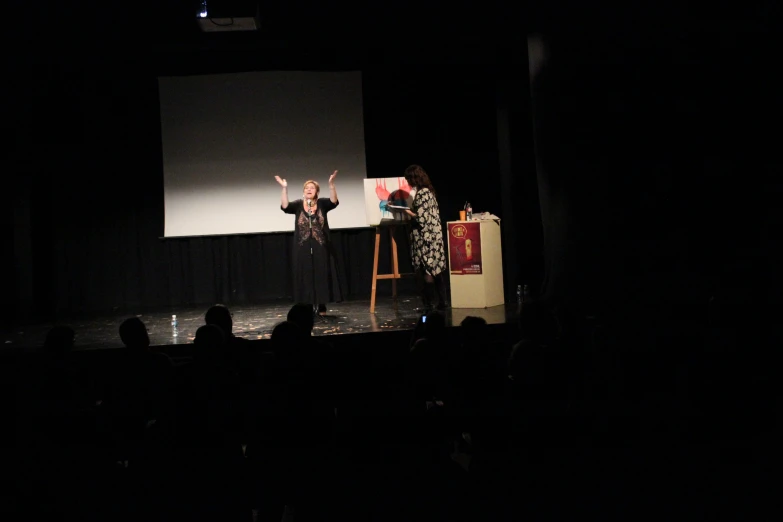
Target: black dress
[{"x": 316, "y": 278}]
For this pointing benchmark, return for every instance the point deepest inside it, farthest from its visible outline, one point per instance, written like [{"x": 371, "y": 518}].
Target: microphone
[{"x": 309, "y": 204}]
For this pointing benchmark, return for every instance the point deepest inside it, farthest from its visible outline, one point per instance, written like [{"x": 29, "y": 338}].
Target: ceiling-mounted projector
[{"x": 227, "y": 15}]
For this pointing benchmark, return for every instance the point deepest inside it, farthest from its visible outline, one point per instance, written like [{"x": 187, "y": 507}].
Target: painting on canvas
[{"x": 387, "y": 198}]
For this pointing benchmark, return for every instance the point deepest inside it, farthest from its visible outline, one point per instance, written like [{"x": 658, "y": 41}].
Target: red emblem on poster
[{"x": 465, "y": 248}]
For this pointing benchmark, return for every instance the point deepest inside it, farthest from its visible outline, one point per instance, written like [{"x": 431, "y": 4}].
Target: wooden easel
[{"x": 395, "y": 266}]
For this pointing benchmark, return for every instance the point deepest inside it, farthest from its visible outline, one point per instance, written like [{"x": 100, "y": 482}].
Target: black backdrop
[
  {"x": 87, "y": 208},
  {"x": 657, "y": 163},
  {"x": 656, "y": 154}
]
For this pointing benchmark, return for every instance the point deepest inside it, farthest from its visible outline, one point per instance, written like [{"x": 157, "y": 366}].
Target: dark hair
[
  {"x": 471, "y": 321},
  {"x": 209, "y": 334},
  {"x": 417, "y": 177},
  {"x": 208, "y": 341},
  {"x": 302, "y": 315},
  {"x": 435, "y": 325},
  {"x": 220, "y": 315},
  {"x": 286, "y": 331},
  {"x": 287, "y": 342},
  {"x": 473, "y": 328},
  {"x": 133, "y": 333}
]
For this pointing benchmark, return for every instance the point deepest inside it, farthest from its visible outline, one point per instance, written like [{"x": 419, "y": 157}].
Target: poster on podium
[{"x": 464, "y": 248}]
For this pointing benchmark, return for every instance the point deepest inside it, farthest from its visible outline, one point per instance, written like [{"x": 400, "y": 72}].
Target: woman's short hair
[{"x": 317, "y": 186}]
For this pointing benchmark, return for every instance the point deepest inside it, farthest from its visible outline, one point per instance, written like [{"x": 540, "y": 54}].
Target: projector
[{"x": 227, "y": 15}]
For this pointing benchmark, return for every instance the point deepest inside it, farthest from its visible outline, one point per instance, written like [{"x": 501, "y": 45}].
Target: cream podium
[{"x": 475, "y": 263}]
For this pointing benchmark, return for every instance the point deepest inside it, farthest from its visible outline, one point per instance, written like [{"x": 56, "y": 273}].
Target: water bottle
[
  {"x": 519, "y": 294},
  {"x": 174, "y": 324},
  {"x": 469, "y": 212}
]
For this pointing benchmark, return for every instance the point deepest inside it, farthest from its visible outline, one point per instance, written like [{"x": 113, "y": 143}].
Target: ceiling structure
[{"x": 166, "y": 32}]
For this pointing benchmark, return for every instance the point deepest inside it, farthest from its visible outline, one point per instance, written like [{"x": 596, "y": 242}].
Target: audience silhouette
[{"x": 459, "y": 423}]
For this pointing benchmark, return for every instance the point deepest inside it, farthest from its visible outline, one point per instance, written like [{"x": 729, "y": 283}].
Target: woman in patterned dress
[
  {"x": 316, "y": 274},
  {"x": 428, "y": 253}
]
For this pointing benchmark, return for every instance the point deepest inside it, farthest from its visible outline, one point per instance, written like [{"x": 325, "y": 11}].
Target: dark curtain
[
  {"x": 654, "y": 165},
  {"x": 88, "y": 212},
  {"x": 522, "y": 228},
  {"x": 103, "y": 272}
]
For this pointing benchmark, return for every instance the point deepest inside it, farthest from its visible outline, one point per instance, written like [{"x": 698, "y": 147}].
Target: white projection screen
[{"x": 226, "y": 136}]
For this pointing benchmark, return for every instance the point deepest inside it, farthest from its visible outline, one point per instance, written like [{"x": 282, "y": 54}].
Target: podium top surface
[{"x": 475, "y": 221}]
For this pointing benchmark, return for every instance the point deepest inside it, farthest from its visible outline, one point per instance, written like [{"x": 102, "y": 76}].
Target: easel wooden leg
[
  {"x": 395, "y": 267},
  {"x": 395, "y": 272},
  {"x": 375, "y": 269}
]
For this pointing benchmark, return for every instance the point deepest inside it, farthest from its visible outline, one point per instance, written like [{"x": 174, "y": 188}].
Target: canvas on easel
[{"x": 386, "y": 199}]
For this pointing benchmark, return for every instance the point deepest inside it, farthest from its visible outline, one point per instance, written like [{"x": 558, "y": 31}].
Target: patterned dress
[
  {"x": 316, "y": 276},
  {"x": 428, "y": 253}
]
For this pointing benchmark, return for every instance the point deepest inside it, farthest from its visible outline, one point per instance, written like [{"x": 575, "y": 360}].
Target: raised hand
[
  {"x": 283, "y": 183},
  {"x": 331, "y": 178}
]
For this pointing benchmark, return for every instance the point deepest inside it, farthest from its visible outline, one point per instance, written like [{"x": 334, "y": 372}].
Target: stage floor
[{"x": 252, "y": 322}]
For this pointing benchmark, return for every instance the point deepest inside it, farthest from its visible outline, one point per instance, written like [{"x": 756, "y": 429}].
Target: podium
[
  {"x": 475, "y": 263},
  {"x": 390, "y": 225}
]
